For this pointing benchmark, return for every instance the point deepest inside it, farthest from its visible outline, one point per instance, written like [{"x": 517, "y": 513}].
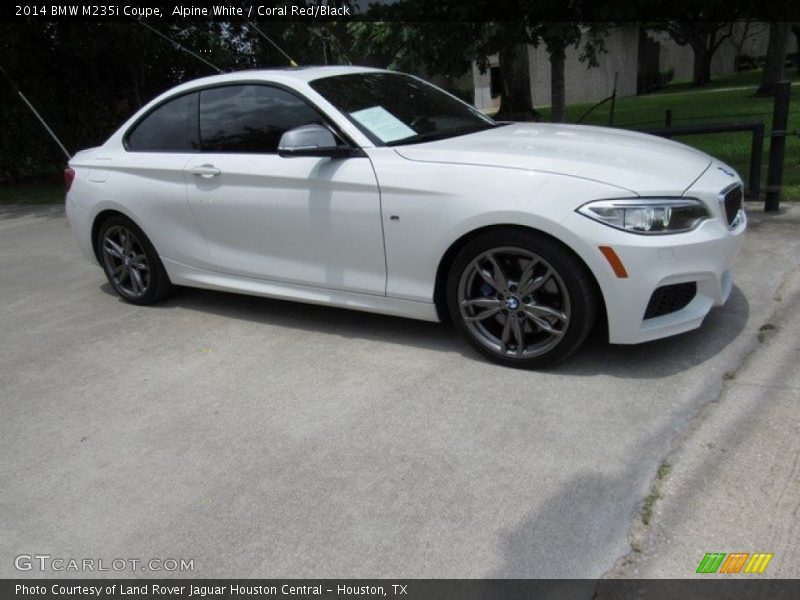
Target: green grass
[
  {"x": 726, "y": 100},
  {"x": 748, "y": 78},
  {"x": 32, "y": 193},
  {"x": 646, "y": 512}
]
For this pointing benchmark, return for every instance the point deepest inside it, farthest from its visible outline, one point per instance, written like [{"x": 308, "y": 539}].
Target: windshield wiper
[{"x": 447, "y": 133}]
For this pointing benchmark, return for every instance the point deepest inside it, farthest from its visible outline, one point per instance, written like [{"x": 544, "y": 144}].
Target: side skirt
[{"x": 181, "y": 274}]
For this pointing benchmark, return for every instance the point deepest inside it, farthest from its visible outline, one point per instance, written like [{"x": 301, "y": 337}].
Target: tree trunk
[
  {"x": 701, "y": 68},
  {"x": 558, "y": 91},
  {"x": 776, "y": 56},
  {"x": 739, "y": 46},
  {"x": 796, "y": 32},
  {"x": 516, "y": 103}
]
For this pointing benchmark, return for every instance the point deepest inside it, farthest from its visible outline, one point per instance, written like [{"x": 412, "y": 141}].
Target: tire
[
  {"x": 131, "y": 263},
  {"x": 512, "y": 285}
]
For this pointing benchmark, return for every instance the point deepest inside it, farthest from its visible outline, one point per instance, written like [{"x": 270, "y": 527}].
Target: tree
[
  {"x": 509, "y": 41},
  {"x": 266, "y": 43},
  {"x": 557, "y": 37},
  {"x": 516, "y": 102},
  {"x": 448, "y": 48},
  {"x": 796, "y": 32},
  {"x": 703, "y": 36},
  {"x": 776, "y": 57},
  {"x": 745, "y": 30},
  {"x": 121, "y": 66}
]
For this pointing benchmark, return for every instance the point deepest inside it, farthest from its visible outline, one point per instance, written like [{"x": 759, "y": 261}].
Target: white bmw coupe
[{"x": 376, "y": 191}]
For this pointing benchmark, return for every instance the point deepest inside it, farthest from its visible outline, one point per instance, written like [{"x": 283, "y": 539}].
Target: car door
[
  {"x": 299, "y": 220},
  {"x": 148, "y": 177}
]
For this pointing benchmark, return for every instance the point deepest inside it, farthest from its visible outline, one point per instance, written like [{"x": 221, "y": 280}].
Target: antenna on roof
[
  {"x": 292, "y": 63},
  {"x": 35, "y": 112},
  {"x": 179, "y": 46}
]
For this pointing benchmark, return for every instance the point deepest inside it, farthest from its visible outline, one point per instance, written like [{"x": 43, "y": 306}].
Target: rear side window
[
  {"x": 172, "y": 127},
  {"x": 250, "y": 118}
]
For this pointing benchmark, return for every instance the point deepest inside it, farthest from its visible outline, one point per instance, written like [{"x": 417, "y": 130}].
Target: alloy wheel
[
  {"x": 125, "y": 261},
  {"x": 513, "y": 302}
]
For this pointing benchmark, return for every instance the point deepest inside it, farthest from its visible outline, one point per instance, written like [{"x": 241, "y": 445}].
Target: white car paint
[
  {"x": 627, "y": 159},
  {"x": 294, "y": 220},
  {"x": 371, "y": 232}
]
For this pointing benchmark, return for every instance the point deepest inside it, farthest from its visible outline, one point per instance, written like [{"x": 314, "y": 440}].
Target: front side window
[
  {"x": 171, "y": 127},
  {"x": 395, "y": 109},
  {"x": 250, "y": 118}
]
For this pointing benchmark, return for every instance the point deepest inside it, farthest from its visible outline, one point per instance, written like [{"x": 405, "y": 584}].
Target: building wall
[
  {"x": 674, "y": 57},
  {"x": 482, "y": 83},
  {"x": 585, "y": 84},
  {"x": 681, "y": 58}
]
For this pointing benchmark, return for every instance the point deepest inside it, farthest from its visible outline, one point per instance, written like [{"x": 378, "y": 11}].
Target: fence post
[
  {"x": 613, "y": 101},
  {"x": 777, "y": 145},
  {"x": 756, "y": 156}
]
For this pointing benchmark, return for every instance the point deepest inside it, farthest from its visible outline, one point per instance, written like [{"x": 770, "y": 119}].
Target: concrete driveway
[{"x": 269, "y": 439}]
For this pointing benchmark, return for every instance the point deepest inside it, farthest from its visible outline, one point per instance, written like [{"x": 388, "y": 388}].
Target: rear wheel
[
  {"x": 130, "y": 262},
  {"x": 520, "y": 298}
]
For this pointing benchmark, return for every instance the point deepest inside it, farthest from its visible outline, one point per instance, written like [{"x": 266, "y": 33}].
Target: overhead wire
[
  {"x": 41, "y": 120},
  {"x": 179, "y": 45},
  {"x": 292, "y": 63},
  {"x": 164, "y": 36}
]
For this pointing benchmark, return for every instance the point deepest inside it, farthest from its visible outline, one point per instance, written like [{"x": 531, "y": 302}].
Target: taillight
[{"x": 69, "y": 177}]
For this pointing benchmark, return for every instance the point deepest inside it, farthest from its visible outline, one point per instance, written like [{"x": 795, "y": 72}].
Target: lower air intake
[{"x": 670, "y": 298}]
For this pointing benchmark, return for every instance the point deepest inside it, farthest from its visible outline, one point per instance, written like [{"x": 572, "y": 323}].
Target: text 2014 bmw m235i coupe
[{"x": 375, "y": 191}]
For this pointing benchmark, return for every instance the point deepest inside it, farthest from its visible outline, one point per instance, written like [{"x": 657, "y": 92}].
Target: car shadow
[
  {"x": 660, "y": 358},
  {"x": 546, "y": 545},
  {"x": 311, "y": 317}
]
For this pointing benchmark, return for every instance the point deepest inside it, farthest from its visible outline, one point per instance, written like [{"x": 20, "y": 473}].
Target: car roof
[
  {"x": 285, "y": 75},
  {"x": 310, "y": 73}
]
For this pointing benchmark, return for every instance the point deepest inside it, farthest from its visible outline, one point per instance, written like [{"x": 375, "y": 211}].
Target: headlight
[{"x": 648, "y": 215}]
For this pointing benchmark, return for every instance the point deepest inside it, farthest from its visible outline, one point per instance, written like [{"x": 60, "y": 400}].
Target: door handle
[{"x": 206, "y": 171}]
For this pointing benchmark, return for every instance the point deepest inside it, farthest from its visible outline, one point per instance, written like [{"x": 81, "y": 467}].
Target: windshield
[{"x": 394, "y": 109}]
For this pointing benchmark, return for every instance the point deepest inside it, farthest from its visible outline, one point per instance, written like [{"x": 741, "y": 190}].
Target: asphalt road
[{"x": 270, "y": 439}]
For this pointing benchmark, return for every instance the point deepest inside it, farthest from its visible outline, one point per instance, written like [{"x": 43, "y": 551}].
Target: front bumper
[{"x": 703, "y": 256}]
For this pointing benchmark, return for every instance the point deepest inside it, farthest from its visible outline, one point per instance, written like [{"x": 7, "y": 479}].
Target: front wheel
[{"x": 521, "y": 299}]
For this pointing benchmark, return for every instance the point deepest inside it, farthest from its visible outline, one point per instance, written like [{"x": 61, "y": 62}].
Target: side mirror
[{"x": 311, "y": 140}]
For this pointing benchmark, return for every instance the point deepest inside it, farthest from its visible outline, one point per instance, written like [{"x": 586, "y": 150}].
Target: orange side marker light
[{"x": 614, "y": 261}]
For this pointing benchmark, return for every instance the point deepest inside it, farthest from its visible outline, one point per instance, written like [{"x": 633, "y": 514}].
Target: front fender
[{"x": 429, "y": 207}]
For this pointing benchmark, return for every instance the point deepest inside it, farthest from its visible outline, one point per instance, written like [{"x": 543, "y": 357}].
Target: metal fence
[{"x": 777, "y": 146}]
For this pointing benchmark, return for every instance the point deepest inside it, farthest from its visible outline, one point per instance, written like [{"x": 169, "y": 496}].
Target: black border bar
[
  {"x": 517, "y": 11},
  {"x": 708, "y": 587}
]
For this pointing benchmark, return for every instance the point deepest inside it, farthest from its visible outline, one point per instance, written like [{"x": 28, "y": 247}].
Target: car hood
[{"x": 640, "y": 163}]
